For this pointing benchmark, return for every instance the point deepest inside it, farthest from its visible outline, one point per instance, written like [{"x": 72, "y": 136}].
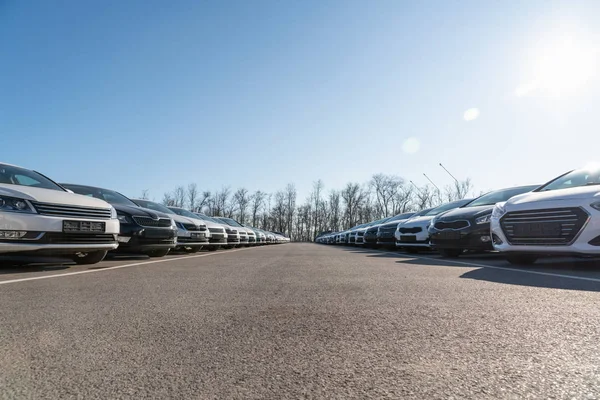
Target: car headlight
[
  {"x": 596, "y": 205},
  {"x": 179, "y": 225},
  {"x": 113, "y": 213},
  {"x": 500, "y": 209},
  {"x": 16, "y": 205},
  {"x": 123, "y": 218},
  {"x": 483, "y": 220}
]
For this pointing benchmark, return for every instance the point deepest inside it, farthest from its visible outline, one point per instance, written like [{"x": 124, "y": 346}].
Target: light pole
[
  {"x": 456, "y": 180},
  {"x": 438, "y": 189},
  {"x": 416, "y": 187}
]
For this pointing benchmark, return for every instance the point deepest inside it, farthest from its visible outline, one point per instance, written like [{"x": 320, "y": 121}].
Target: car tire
[
  {"x": 93, "y": 257},
  {"x": 522, "y": 259},
  {"x": 450, "y": 253},
  {"x": 193, "y": 249},
  {"x": 158, "y": 253}
]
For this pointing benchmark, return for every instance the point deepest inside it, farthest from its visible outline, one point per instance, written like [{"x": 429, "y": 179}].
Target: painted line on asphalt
[
  {"x": 523, "y": 271},
  {"x": 89, "y": 271}
]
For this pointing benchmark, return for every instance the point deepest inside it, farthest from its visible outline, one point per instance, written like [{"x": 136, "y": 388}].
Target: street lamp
[{"x": 449, "y": 173}]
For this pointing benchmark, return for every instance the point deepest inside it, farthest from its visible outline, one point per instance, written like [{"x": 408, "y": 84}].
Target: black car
[
  {"x": 468, "y": 227},
  {"x": 142, "y": 230},
  {"x": 386, "y": 231},
  {"x": 192, "y": 234},
  {"x": 370, "y": 236}
]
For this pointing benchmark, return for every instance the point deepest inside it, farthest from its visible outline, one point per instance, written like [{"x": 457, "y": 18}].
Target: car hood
[
  {"x": 418, "y": 221},
  {"x": 583, "y": 192},
  {"x": 51, "y": 196},
  {"x": 466, "y": 212},
  {"x": 184, "y": 220},
  {"x": 146, "y": 212},
  {"x": 392, "y": 224}
]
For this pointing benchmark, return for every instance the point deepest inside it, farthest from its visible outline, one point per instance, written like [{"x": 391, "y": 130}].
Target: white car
[
  {"x": 40, "y": 217},
  {"x": 561, "y": 217},
  {"x": 413, "y": 235},
  {"x": 244, "y": 232}
]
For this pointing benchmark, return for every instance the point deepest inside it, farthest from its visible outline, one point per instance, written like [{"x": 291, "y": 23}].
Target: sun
[{"x": 561, "y": 66}]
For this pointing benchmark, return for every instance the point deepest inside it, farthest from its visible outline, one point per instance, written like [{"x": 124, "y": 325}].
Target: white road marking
[
  {"x": 89, "y": 271},
  {"x": 523, "y": 271}
]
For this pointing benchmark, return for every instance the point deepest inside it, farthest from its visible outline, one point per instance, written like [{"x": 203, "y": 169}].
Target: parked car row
[
  {"x": 41, "y": 217},
  {"x": 524, "y": 223}
]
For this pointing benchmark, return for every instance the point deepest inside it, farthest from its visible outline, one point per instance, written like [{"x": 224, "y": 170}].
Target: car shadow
[
  {"x": 556, "y": 273},
  {"x": 567, "y": 274}
]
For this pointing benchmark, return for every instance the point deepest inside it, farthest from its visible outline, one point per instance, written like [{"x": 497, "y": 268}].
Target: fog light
[
  {"x": 496, "y": 239},
  {"x": 123, "y": 239},
  {"x": 485, "y": 239},
  {"x": 12, "y": 234}
]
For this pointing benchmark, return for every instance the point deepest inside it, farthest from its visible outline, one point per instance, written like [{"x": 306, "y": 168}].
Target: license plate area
[
  {"x": 408, "y": 238},
  {"x": 538, "y": 229},
  {"x": 448, "y": 235},
  {"x": 83, "y": 227}
]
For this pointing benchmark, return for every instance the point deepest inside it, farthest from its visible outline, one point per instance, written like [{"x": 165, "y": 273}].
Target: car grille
[
  {"x": 460, "y": 224},
  {"x": 232, "y": 231},
  {"x": 149, "y": 222},
  {"x": 60, "y": 210},
  {"x": 216, "y": 230},
  {"x": 391, "y": 228},
  {"x": 545, "y": 227},
  {"x": 77, "y": 238},
  {"x": 415, "y": 229},
  {"x": 191, "y": 227}
]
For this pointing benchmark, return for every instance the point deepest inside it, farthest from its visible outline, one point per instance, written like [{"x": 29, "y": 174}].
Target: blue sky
[{"x": 151, "y": 95}]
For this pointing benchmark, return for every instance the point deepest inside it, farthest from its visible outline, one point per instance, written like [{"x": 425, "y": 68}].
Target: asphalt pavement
[{"x": 300, "y": 321}]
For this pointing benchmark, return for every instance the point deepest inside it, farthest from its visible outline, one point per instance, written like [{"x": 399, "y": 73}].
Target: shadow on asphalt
[{"x": 510, "y": 275}]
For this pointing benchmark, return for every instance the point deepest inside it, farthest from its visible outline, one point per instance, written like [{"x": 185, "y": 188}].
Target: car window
[
  {"x": 498, "y": 196},
  {"x": 11, "y": 175},
  {"x": 577, "y": 178}
]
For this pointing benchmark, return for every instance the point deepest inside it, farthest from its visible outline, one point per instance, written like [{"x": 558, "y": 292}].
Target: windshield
[
  {"x": 10, "y": 175},
  {"x": 183, "y": 212},
  {"x": 400, "y": 217},
  {"x": 230, "y": 222},
  {"x": 498, "y": 196},
  {"x": 110, "y": 196},
  {"x": 446, "y": 207},
  {"x": 577, "y": 178},
  {"x": 207, "y": 218},
  {"x": 153, "y": 206}
]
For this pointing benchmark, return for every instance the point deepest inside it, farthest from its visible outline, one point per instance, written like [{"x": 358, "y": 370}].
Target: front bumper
[
  {"x": 145, "y": 239},
  {"x": 45, "y": 233},
  {"x": 472, "y": 238}
]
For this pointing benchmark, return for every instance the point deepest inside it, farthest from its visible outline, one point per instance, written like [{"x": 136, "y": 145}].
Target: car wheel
[
  {"x": 450, "y": 253},
  {"x": 93, "y": 257},
  {"x": 193, "y": 249},
  {"x": 158, "y": 253},
  {"x": 522, "y": 259}
]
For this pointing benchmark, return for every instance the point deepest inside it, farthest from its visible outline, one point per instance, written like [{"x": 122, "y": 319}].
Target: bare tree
[
  {"x": 204, "y": 201},
  {"x": 145, "y": 194},
  {"x": 168, "y": 200},
  {"x": 335, "y": 207},
  {"x": 258, "y": 199},
  {"x": 192, "y": 196},
  {"x": 221, "y": 200},
  {"x": 386, "y": 189},
  {"x": 241, "y": 198},
  {"x": 179, "y": 196},
  {"x": 459, "y": 190},
  {"x": 316, "y": 196},
  {"x": 290, "y": 199}
]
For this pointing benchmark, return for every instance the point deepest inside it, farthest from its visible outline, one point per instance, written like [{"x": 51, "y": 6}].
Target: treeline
[{"x": 332, "y": 210}]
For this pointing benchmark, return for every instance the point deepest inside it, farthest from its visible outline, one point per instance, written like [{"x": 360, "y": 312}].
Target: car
[
  {"x": 39, "y": 217},
  {"x": 370, "y": 235},
  {"x": 270, "y": 237},
  {"x": 468, "y": 227},
  {"x": 234, "y": 237},
  {"x": 385, "y": 231},
  {"x": 413, "y": 234},
  {"x": 141, "y": 230},
  {"x": 219, "y": 236},
  {"x": 245, "y": 233},
  {"x": 353, "y": 233},
  {"x": 192, "y": 234},
  {"x": 562, "y": 217},
  {"x": 261, "y": 236}
]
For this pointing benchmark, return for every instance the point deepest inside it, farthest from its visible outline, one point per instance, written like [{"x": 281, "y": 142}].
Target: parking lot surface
[{"x": 301, "y": 321}]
